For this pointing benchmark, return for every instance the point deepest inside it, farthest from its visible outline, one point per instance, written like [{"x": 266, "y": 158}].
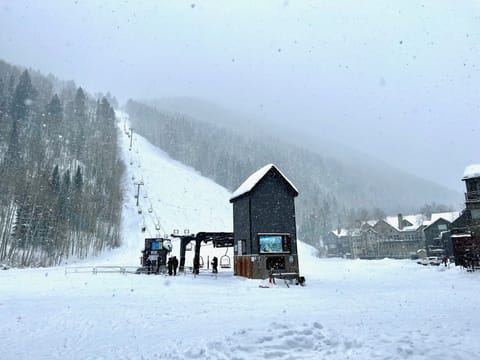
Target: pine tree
[
  {"x": 13, "y": 156},
  {"x": 64, "y": 198},
  {"x": 80, "y": 118},
  {"x": 23, "y": 97},
  {"x": 78, "y": 179},
  {"x": 54, "y": 118},
  {"x": 80, "y": 104},
  {"x": 55, "y": 180},
  {"x": 54, "y": 111}
]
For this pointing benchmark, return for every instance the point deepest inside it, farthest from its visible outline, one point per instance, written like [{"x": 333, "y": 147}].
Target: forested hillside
[
  {"x": 332, "y": 193},
  {"x": 60, "y": 193}
]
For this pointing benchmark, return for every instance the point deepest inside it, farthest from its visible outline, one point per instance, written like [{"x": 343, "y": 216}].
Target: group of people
[{"x": 172, "y": 265}]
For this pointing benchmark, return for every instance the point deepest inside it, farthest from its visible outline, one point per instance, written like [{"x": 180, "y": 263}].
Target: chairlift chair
[
  {"x": 225, "y": 261},
  {"x": 188, "y": 247},
  {"x": 139, "y": 210},
  {"x": 157, "y": 227},
  {"x": 150, "y": 210}
]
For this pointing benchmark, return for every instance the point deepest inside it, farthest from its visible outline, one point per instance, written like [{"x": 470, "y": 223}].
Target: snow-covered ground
[{"x": 350, "y": 309}]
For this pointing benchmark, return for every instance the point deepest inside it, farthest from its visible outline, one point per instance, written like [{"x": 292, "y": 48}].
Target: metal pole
[
  {"x": 138, "y": 190},
  {"x": 131, "y": 138}
]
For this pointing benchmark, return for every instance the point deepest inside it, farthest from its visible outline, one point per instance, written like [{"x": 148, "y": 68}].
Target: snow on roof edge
[
  {"x": 471, "y": 171},
  {"x": 253, "y": 180}
]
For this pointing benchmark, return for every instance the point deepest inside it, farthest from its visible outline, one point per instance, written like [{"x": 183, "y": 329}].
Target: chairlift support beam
[
  {"x": 219, "y": 239},
  {"x": 140, "y": 183}
]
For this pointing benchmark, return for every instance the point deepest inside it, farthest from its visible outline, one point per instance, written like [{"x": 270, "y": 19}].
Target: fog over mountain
[{"x": 397, "y": 80}]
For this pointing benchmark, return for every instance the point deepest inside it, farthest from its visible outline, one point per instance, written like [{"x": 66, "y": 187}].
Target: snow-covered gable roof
[
  {"x": 341, "y": 233},
  {"x": 418, "y": 220},
  {"x": 415, "y": 220},
  {"x": 345, "y": 232},
  {"x": 448, "y": 216},
  {"x": 471, "y": 171},
  {"x": 254, "y": 179}
]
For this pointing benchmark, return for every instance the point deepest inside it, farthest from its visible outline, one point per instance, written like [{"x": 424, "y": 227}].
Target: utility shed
[{"x": 265, "y": 236}]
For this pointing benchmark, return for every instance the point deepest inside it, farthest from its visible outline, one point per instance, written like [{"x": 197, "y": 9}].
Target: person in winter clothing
[
  {"x": 170, "y": 265},
  {"x": 215, "y": 265},
  {"x": 196, "y": 265},
  {"x": 445, "y": 260},
  {"x": 174, "y": 265}
]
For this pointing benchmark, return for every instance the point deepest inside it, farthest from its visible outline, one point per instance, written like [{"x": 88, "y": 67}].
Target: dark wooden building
[
  {"x": 265, "y": 236},
  {"x": 465, "y": 233},
  {"x": 470, "y": 217},
  {"x": 434, "y": 244}
]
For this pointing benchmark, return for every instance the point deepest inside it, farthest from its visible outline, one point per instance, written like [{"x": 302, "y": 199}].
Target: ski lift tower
[{"x": 265, "y": 236}]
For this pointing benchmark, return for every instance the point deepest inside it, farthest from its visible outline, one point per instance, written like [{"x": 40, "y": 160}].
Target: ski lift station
[
  {"x": 264, "y": 237},
  {"x": 264, "y": 226}
]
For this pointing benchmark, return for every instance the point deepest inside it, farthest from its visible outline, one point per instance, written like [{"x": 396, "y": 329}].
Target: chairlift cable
[{"x": 139, "y": 176}]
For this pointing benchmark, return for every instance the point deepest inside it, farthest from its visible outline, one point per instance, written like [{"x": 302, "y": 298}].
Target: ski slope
[
  {"x": 350, "y": 309},
  {"x": 172, "y": 197}
]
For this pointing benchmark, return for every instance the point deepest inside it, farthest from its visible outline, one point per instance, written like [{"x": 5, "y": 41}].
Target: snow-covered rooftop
[
  {"x": 253, "y": 180},
  {"x": 345, "y": 233},
  {"x": 471, "y": 171},
  {"x": 415, "y": 220},
  {"x": 449, "y": 216},
  {"x": 340, "y": 232}
]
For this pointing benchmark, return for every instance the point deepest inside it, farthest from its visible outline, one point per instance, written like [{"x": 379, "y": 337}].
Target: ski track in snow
[{"x": 350, "y": 309}]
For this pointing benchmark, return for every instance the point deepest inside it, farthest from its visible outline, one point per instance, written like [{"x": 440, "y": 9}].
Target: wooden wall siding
[{"x": 257, "y": 269}]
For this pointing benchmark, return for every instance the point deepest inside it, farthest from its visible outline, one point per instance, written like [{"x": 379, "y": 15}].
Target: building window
[{"x": 442, "y": 227}]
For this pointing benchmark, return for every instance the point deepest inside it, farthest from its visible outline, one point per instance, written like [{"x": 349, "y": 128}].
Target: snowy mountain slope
[
  {"x": 355, "y": 309},
  {"x": 172, "y": 196}
]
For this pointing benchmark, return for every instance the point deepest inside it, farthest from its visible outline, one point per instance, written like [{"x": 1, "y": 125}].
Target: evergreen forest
[{"x": 61, "y": 175}]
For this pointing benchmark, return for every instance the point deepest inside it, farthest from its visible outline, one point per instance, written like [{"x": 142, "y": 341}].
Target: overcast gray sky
[{"x": 396, "y": 79}]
